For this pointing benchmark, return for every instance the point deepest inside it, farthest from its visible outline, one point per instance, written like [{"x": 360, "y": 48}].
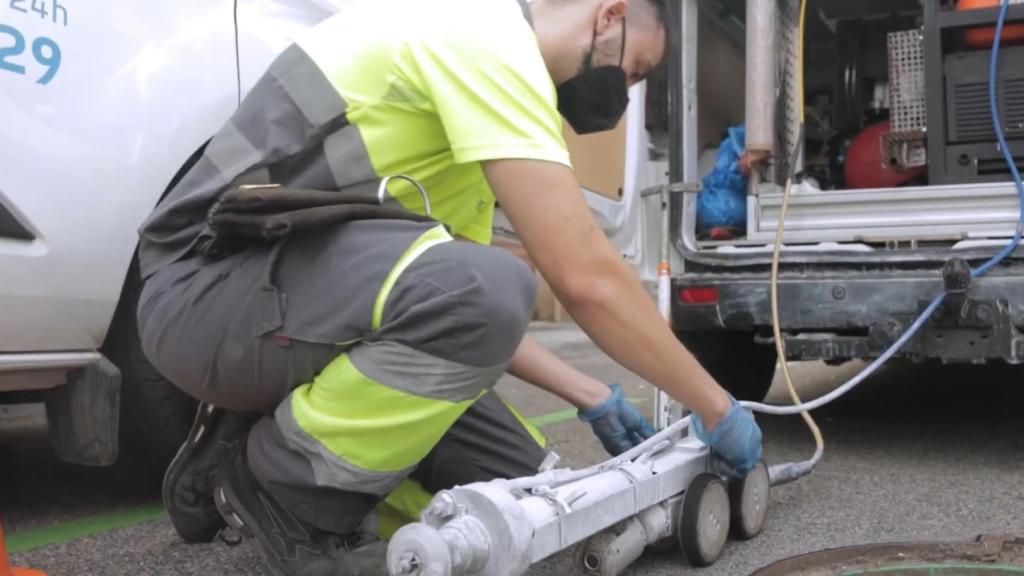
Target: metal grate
[
  {"x": 904, "y": 146},
  {"x": 906, "y": 81},
  {"x": 900, "y": 152}
]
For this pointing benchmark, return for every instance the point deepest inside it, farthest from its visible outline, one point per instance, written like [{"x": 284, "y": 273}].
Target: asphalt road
[{"x": 918, "y": 453}]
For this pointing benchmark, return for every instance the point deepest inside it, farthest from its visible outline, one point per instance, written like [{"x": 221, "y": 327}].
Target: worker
[{"x": 368, "y": 349}]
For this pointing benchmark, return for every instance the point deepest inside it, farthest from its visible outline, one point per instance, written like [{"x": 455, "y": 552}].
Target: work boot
[
  {"x": 290, "y": 546},
  {"x": 190, "y": 479}
]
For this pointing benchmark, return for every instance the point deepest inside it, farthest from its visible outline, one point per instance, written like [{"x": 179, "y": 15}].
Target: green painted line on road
[
  {"x": 553, "y": 418},
  {"x": 31, "y": 539},
  {"x": 565, "y": 415},
  {"x": 38, "y": 537}
]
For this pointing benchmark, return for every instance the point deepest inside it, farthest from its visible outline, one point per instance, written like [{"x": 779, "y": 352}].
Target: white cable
[
  {"x": 554, "y": 478},
  {"x": 856, "y": 380}
]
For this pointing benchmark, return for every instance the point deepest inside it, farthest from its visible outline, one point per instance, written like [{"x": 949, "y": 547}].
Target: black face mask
[{"x": 595, "y": 99}]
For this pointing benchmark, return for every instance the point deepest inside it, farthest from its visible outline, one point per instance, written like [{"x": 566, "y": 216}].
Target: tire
[
  {"x": 742, "y": 366},
  {"x": 155, "y": 415},
  {"x": 702, "y": 527},
  {"x": 748, "y": 501}
]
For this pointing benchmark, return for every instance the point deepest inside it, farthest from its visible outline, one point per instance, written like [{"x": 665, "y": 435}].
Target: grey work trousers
[{"x": 251, "y": 331}]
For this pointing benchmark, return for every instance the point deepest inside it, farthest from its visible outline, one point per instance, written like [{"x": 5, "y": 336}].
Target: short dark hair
[{"x": 661, "y": 12}]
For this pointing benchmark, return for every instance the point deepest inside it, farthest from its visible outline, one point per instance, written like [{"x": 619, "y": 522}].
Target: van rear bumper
[{"x": 837, "y": 315}]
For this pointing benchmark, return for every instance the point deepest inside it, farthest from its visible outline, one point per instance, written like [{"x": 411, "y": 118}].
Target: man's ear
[{"x": 611, "y": 14}]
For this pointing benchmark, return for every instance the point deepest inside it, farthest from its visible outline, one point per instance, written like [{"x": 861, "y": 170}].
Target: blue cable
[{"x": 1001, "y": 136}]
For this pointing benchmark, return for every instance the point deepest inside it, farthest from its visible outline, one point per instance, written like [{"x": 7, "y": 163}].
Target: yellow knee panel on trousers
[{"x": 368, "y": 424}]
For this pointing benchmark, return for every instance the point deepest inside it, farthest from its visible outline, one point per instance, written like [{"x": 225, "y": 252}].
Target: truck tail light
[{"x": 698, "y": 295}]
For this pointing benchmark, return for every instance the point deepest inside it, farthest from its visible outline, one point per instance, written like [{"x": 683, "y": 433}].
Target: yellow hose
[{"x": 780, "y": 346}]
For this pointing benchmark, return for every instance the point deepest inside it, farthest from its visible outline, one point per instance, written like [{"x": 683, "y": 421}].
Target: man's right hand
[
  {"x": 616, "y": 423},
  {"x": 736, "y": 440}
]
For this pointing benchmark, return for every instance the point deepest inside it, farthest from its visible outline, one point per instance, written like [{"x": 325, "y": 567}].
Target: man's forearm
[
  {"x": 622, "y": 321},
  {"x": 538, "y": 366},
  {"x": 599, "y": 290}
]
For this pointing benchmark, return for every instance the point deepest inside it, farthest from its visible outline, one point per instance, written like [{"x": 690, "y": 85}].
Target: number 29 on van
[{"x": 45, "y": 51}]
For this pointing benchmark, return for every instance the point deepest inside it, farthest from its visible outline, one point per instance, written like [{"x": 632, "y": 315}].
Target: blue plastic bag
[{"x": 723, "y": 201}]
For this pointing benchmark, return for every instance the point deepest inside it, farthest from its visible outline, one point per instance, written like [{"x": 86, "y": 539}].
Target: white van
[{"x": 101, "y": 108}]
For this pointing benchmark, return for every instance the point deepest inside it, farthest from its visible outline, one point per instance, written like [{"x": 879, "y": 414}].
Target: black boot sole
[
  {"x": 288, "y": 545},
  {"x": 212, "y": 523},
  {"x": 236, "y": 516}
]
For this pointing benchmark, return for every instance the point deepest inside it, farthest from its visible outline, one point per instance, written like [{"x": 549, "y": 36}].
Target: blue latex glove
[
  {"x": 616, "y": 423},
  {"x": 736, "y": 441}
]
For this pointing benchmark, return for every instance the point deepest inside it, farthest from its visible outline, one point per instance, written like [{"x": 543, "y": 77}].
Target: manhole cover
[{"x": 987, "y": 556}]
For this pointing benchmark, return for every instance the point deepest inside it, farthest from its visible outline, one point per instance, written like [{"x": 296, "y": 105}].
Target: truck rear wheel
[
  {"x": 155, "y": 415},
  {"x": 742, "y": 366}
]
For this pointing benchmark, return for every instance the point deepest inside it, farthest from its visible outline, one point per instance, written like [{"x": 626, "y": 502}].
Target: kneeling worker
[{"x": 368, "y": 348}]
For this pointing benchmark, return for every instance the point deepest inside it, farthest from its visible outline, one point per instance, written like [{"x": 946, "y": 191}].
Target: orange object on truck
[{"x": 983, "y": 37}]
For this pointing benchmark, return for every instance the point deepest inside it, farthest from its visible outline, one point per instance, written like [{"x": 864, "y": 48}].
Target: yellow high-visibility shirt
[{"x": 437, "y": 86}]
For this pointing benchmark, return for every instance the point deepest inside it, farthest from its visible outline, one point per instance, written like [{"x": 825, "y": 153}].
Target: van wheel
[
  {"x": 155, "y": 415},
  {"x": 743, "y": 367}
]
